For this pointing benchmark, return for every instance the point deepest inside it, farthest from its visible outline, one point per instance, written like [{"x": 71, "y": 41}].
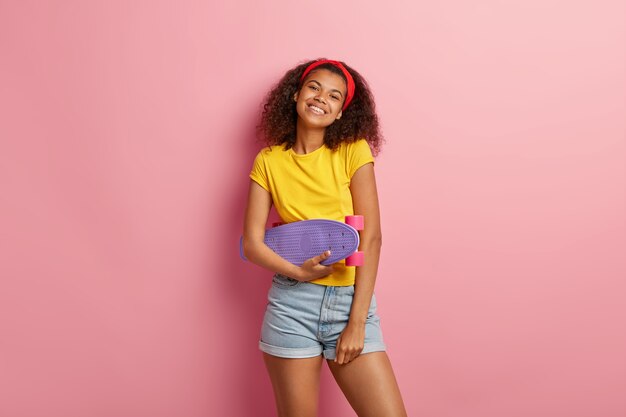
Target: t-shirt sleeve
[
  {"x": 259, "y": 172},
  {"x": 359, "y": 154}
]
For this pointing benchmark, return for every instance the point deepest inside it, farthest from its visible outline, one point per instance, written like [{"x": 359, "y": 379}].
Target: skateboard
[{"x": 298, "y": 241}]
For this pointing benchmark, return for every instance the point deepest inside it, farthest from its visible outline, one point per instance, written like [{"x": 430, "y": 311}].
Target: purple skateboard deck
[{"x": 302, "y": 240}]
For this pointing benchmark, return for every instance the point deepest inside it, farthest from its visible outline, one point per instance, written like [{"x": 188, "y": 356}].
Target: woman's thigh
[
  {"x": 370, "y": 386},
  {"x": 296, "y": 384}
]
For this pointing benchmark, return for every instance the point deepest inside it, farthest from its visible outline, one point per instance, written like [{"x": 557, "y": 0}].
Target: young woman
[{"x": 322, "y": 130}]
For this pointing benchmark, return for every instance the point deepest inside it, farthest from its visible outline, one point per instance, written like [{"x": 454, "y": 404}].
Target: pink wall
[{"x": 126, "y": 140}]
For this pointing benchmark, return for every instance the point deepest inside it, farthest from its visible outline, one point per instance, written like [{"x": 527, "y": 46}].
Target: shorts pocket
[{"x": 285, "y": 281}]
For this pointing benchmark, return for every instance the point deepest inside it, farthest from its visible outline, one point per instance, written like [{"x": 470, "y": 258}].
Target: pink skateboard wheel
[
  {"x": 356, "y": 221},
  {"x": 356, "y": 259}
]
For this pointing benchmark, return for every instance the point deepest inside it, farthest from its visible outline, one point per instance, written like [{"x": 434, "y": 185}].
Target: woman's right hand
[{"x": 312, "y": 269}]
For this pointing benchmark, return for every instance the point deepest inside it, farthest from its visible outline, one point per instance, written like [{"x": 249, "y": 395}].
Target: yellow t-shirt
[{"x": 313, "y": 186}]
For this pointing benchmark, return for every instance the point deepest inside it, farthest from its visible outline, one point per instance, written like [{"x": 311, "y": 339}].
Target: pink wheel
[
  {"x": 357, "y": 221},
  {"x": 356, "y": 259}
]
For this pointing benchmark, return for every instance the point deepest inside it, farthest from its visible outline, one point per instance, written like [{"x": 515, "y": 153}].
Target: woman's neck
[{"x": 308, "y": 139}]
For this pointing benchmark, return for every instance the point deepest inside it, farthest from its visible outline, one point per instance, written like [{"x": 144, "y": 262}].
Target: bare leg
[
  {"x": 370, "y": 386},
  {"x": 295, "y": 383}
]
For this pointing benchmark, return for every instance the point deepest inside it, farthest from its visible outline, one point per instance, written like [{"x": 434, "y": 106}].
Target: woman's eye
[
  {"x": 313, "y": 87},
  {"x": 335, "y": 97}
]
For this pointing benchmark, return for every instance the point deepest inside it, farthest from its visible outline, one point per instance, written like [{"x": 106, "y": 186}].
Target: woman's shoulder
[
  {"x": 353, "y": 142},
  {"x": 359, "y": 145},
  {"x": 271, "y": 151}
]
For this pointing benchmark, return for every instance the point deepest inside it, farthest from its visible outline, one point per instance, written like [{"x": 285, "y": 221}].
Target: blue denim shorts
[{"x": 304, "y": 320}]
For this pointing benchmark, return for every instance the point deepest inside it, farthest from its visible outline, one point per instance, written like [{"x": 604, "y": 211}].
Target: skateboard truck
[{"x": 358, "y": 223}]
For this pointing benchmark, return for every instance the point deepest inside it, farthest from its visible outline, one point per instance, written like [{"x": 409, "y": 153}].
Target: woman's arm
[
  {"x": 365, "y": 202},
  {"x": 257, "y": 211}
]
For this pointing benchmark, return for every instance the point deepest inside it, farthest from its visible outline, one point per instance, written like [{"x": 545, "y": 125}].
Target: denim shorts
[{"x": 303, "y": 320}]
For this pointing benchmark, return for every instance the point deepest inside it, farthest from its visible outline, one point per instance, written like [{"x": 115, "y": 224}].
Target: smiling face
[{"x": 321, "y": 97}]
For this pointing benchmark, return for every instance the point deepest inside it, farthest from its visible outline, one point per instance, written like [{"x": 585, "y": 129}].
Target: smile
[{"x": 316, "y": 109}]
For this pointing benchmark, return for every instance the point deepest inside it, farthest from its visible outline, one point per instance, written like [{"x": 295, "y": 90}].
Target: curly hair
[{"x": 358, "y": 120}]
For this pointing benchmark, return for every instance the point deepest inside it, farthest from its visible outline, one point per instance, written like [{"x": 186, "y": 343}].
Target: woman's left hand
[{"x": 350, "y": 343}]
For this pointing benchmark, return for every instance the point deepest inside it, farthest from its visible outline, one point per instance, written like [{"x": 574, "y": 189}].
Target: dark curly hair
[{"x": 358, "y": 121}]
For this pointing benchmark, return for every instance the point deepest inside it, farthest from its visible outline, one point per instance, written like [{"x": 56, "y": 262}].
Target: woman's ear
[
  {"x": 295, "y": 96},
  {"x": 339, "y": 115}
]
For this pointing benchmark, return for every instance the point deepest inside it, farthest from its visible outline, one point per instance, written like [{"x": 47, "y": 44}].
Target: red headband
[{"x": 338, "y": 64}]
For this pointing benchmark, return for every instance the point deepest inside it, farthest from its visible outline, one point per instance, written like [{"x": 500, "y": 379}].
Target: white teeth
[{"x": 316, "y": 109}]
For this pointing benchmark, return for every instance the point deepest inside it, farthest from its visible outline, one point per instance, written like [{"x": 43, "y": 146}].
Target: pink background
[{"x": 126, "y": 140}]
